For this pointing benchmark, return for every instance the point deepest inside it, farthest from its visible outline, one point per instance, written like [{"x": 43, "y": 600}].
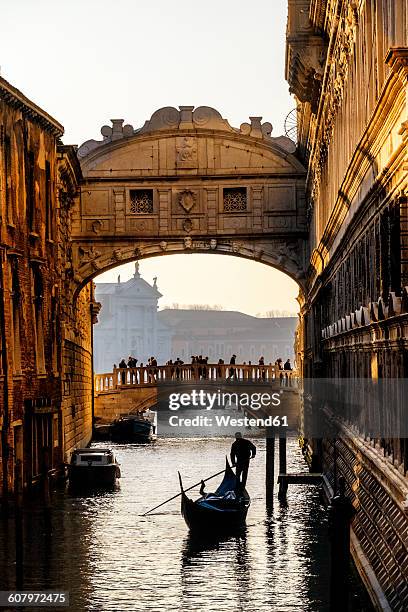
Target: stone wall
[
  {"x": 380, "y": 496},
  {"x": 110, "y": 405}
]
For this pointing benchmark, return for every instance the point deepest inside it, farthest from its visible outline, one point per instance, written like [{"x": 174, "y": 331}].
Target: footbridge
[{"x": 127, "y": 390}]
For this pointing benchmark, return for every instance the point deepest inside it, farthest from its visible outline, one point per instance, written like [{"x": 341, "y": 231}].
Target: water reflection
[{"x": 113, "y": 559}]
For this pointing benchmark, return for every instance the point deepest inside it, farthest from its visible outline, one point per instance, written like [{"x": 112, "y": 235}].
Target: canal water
[{"x": 111, "y": 559}]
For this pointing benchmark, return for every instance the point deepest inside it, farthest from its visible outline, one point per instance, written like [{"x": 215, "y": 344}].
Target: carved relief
[
  {"x": 117, "y": 255},
  {"x": 187, "y": 225},
  {"x": 187, "y": 199},
  {"x": 186, "y": 152},
  {"x": 90, "y": 256}
]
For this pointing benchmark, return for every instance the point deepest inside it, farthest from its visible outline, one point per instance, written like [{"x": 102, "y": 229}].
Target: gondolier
[{"x": 242, "y": 451}]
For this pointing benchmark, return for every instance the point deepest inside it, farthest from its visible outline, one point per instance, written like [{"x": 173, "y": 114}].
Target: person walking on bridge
[{"x": 242, "y": 451}]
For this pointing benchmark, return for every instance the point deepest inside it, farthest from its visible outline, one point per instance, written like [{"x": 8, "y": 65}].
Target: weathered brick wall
[
  {"x": 28, "y": 250},
  {"x": 378, "y": 493}
]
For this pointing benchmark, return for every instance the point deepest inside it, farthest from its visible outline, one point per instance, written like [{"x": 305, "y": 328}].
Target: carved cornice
[
  {"x": 14, "y": 98},
  {"x": 397, "y": 60},
  {"x": 69, "y": 169},
  {"x": 305, "y": 54},
  {"x": 336, "y": 73}
]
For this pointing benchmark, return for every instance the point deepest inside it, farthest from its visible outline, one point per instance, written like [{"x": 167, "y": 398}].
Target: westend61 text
[
  {"x": 204, "y": 399},
  {"x": 228, "y": 421}
]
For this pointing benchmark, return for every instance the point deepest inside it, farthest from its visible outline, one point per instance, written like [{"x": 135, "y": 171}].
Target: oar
[{"x": 185, "y": 490}]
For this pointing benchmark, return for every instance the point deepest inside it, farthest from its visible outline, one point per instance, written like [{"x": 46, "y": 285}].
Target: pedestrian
[
  {"x": 219, "y": 368},
  {"x": 232, "y": 362},
  {"x": 287, "y": 365},
  {"x": 178, "y": 363},
  {"x": 123, "y": 366},
  {"x": 242, "y": 451},
  {"x": 261, "y": 362}
]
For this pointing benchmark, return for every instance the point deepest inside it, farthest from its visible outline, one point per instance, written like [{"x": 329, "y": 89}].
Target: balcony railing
[{"x": 121, "y": 378}]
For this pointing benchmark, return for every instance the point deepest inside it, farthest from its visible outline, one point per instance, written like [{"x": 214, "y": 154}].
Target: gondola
[{"x": 222, "y": 512}]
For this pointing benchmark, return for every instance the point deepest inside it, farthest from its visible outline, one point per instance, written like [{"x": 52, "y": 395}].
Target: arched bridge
[
  {"x": 188, "y": 182},
  {"x": 126, "y": 390}
]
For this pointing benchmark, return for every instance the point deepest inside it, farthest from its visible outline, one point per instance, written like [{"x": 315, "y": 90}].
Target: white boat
[{"x": 93, "y": 468}]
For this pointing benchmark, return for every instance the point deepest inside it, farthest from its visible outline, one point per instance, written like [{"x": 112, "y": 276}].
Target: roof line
[{"x": 14, "y": 97}]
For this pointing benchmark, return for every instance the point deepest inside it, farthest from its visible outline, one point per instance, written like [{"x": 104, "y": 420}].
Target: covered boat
[
  {"x": 139, "y": 427},
  {"x": 222, "y": 511},
  {"x": 93, "y": 468}
]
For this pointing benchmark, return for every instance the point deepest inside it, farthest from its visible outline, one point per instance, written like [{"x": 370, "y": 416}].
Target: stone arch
[{"x": 275, "y": 254}]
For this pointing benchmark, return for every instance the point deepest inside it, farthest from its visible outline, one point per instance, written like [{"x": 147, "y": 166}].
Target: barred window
[
  {"x": 141, "y": 201},
  {"x": 235, "y": 199}
]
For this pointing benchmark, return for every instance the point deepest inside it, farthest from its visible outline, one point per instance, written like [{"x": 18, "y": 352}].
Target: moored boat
[
  {"x": 93, "y": 468},
  {"x": 133, "y": 428},
  {"x": 220, "y": 512}
]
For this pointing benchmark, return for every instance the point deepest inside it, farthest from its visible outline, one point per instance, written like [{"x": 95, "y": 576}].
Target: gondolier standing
[{"x": 242, "y": 451}]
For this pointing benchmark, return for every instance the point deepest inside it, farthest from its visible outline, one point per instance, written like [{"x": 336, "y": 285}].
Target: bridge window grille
[
  {"x": 141, "y": 201},
  {"x": 235, "y": 199}
]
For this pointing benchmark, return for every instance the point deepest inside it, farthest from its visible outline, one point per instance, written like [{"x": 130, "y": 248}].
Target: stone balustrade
[{"x": 121, "y": 378}]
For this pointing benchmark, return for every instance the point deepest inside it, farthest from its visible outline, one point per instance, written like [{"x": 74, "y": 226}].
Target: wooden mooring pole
[
  {"x": 270, "y": 466},
  {"x": 341, "y": 512},
  {"x": 283, "y": 487}
]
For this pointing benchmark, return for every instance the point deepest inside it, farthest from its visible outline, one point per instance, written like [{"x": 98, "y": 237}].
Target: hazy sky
[{"x": 88, "y": 61}]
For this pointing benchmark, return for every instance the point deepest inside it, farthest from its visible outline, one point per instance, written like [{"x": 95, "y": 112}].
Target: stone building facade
[
  {"x": 38, "y": 181},
  {"x": 129, "y": 323},
  {"x": 347, "y": 64}
]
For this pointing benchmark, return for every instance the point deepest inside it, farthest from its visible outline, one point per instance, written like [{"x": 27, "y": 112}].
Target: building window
[
  {"x": 235, "y": 199},
  {"x": 15, "y": 313},
  {"x": 141, "y": 201},
  {"x": 30, "y": 191},
  {"x": 48, "y": 202},
  {"x": 38, "y": 298},
  {"x": 8, "y": 183}
]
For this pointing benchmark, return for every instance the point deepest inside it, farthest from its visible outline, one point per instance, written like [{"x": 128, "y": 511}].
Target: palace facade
[{"x": 347, "y": 65}]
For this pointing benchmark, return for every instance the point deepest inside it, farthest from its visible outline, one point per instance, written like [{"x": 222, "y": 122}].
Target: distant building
[{"x": 130, "y": 324}]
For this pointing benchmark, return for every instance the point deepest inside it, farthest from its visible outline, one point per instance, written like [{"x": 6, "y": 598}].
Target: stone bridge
[
  {"x": 127, "y": 390},
  {"x": 188, "y": 182}
]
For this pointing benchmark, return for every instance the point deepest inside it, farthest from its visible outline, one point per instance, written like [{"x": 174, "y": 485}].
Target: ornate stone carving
[
  {"x": 339, "y": 68},
  {"x": 187, "y": 225},
  {"x": 90, "y": 256},
  {"x": 96, "y": 226},
  {"x": 213, "y": 244},
  {"x": 117, "y": 254},
  {"x": 188, "y": 243},
  {"x": 186, "y": 152},
  {"x": 187, "y": 199},
  {"x": 163, "y": 245},
  {"x": 236, "y": 246}
]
